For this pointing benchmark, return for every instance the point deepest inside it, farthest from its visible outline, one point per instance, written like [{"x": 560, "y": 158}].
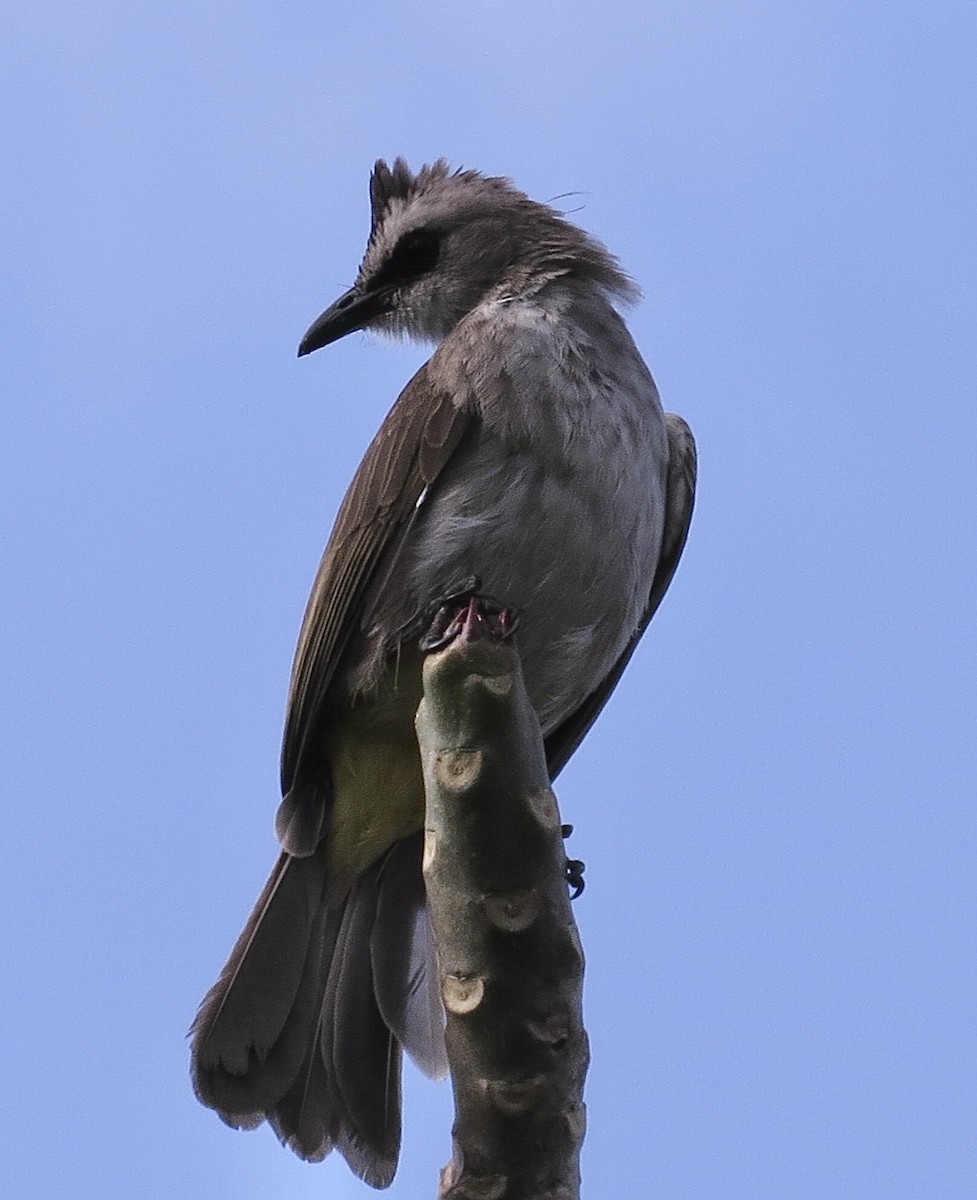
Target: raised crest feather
[
  {"x": 386, "y": 185},
  {"x": 516, "y": 244}
]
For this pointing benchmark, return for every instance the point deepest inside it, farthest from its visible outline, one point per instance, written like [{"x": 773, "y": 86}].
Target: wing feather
[
  {"x": 679, "y": 499},
  {"x": 409, "y": 452}
]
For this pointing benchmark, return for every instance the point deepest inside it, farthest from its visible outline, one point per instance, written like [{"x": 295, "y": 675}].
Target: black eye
[{"x": 415, "y": 253}]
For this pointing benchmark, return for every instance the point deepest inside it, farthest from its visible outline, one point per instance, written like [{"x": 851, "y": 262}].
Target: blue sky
[{"x": 777, "y": 808}]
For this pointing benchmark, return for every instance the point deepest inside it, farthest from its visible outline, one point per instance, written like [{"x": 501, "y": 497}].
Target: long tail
[{"x": 305, "y": 1025}]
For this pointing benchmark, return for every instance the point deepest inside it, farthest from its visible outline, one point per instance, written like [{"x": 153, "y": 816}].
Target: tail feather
[
  {"x": 305, "y": 1024},
  {"x": 358, "y": 1046},
  {"x": 305, "y": 1116},
  {"x": 404, "y": 961},
  {"x": 241, "y": 1061}
]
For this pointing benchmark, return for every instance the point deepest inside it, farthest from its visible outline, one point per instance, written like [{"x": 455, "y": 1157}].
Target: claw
[
  {"x": 574, "y": 868},
  {"x": 467, "y": 611},
  {"x": 574, "y": 875}
]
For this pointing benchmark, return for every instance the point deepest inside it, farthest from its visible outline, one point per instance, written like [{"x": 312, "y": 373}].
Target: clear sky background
[{"x": 777, "y": 808}]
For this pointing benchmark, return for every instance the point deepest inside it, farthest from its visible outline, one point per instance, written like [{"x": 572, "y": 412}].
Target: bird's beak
[{"x": 353, "y": 310}]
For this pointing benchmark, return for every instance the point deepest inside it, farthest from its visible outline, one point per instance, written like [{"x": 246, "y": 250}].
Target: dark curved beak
[{"x": 353, "y": 310}]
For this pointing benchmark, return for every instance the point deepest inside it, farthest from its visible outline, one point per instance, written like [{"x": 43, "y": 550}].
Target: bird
[{"x": 529, "y": 459}]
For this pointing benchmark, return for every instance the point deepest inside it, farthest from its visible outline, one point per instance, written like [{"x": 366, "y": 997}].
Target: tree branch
[{"x": 510, "y": 960}]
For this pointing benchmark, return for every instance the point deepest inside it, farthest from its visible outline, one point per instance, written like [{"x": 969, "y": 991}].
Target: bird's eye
[
  {"x": 414, "y": 254},
  {"x": 417, "y": 251}
]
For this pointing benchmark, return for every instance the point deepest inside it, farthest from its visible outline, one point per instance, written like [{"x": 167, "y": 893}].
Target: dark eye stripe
[{"x": 413, "y": 255}]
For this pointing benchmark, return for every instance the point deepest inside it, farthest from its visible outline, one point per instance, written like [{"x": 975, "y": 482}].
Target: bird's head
[{"x": 442, "y": 242}]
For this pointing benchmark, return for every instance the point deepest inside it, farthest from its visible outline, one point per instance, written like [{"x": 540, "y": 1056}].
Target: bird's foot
[
  {"x": 467, "y": 610},
  {"x": 574, "y": 869}
]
